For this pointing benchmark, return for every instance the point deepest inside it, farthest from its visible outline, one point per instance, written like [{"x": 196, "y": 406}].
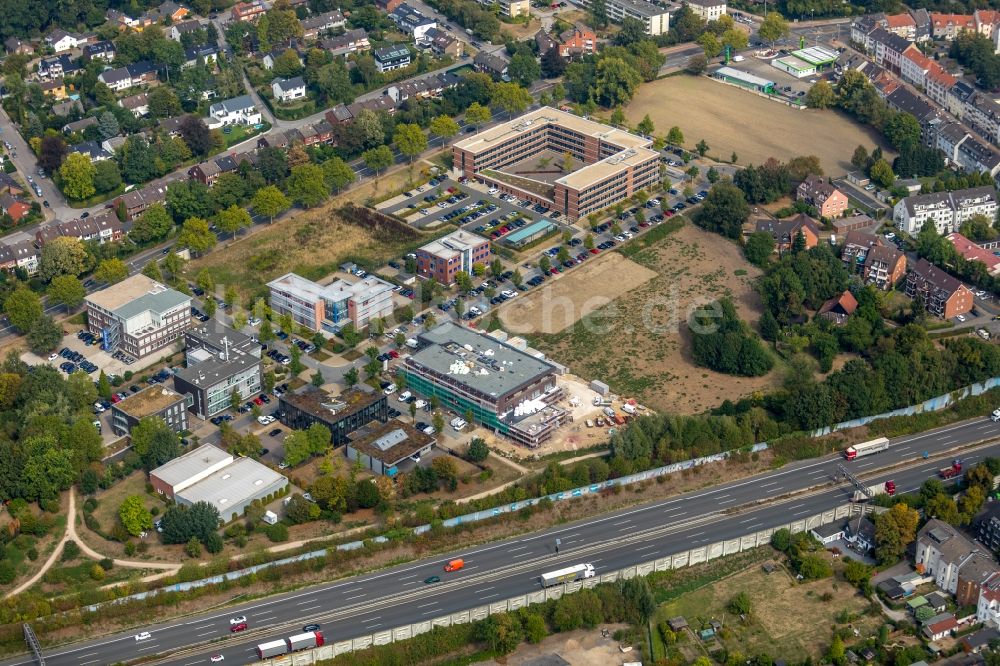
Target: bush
[
  {"x": 7, "y": 572},
  {"x": 92, "y": 523},
  {"x": 106, "y": 563},
  {"x": 213, "y": 543},
  {"x": 193, "y": 547},
  {"x": 50, "y": 505},
  {"x": 277, "y": 533},
  {"x": 90, "y": 505},
  {"x": 96, "y": 572},
  {"x": 71, "y": 551},
  {"x": 130, "y": 548},
  {"x": 32, "y": 553}
]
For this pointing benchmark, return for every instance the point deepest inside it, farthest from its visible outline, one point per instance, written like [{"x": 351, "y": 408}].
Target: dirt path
[{"x": 56, "y": 552}]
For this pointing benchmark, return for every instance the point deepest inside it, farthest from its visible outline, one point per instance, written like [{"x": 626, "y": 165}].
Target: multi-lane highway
[{"x": 397, "y": 596}]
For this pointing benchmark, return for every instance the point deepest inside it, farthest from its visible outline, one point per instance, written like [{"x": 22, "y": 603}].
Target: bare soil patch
[
  {"x": 583, "y": 647},
  {"x": 573, "y": 295},
  {"x": 640, "y": 344},
  {"x": 732, "y": 120}
]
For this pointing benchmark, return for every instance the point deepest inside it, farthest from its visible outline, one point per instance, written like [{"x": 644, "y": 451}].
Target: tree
[
  {"x": 337, "y": 174},
  {"x": 444, "y": 126},
  {"x": 510, "y": 97},
  {"x": 351, "y": 377},
  {"x": 696, "y": 64},
  {"x": 773, "y": 27},
  {"x": 701, "y": 147},
  {"x": 478, "y": 451},
  {"x": 553, "y": 65},
  {"x": 111, "y": 271},
  {"x": 180, "y": 522},
  {"x": 23, "y": 308},
  {"x": 378, "y": 159},
  {"x": 154, "y": 442},
  {"x": 902, "y": 129},
  {"x": 287, "y": 64},
  {"x": 196, "y": 236},
  {"x": 615, "y": 81},
  {"x": 51, "y": 153},
  {"x": 724, "y": 210},
  {"x": 44, "y": 335},
  {"x": 134, "y": 515},
  {"x": 502, "y": 632},
  {"x": 196, "y": 134},
  {"x": 741, "y": 604},
  {"x": 270, "y": 201},
  {"x": 163, "y": 102},
  {"x": 882, "y": 174},
  {"x": 860, "y": 158},
  {"x": 66, "y": 290},
  {"x": 894, "y": 531},
  {"x": 409, "y": 139},
  {"x": 234, "y": 218},
  {"x": 77, "y": 173},
  {"x": 477, "y": 114},
  {"x": 758, "y": 248},
  {"x": 675, "y": 136},
  {"x": 646, "y": 126},
  {"x": 599, "y": 13},
  {"x": 107, "y": 125},
  {"x": 821, "y": 95},
  {"x": 62, "y": 256},
  {"x": 107, "y": 177},
  {"x": 524, "y": 69}
]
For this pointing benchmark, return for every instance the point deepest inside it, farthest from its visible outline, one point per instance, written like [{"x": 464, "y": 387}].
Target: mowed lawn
[
  {"x": 732, "y": 120},
  {"x": 790, "y": 620}
]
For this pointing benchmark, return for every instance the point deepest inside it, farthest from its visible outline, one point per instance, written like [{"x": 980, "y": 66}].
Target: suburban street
[{"x": 397, "y": 596}]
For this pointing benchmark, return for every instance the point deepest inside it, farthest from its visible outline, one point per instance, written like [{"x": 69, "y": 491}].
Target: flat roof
[
  {"x": 148, "y": 401},
  {"x": 337, "y": 290},
  {"x": 328, "y": 407},
  {"x": 391, "y": 442},
  {"x": 609, "y": 166},
  {"x": 795, "y": 63},
  {"x": 213, "y": 369},
  {"x": 816, "y": 55},
  {"x": 454, "y": 243},
  {"x": 528, "y": 231},
  {"x": 243, "y": 479},
  {"x": 219, "y": 336},
  {"x": 476, "y": 360},
  {"x": 743, "y": 76},
  {"x": 182, "y": 468},
  {"x": 549, "y": 116},
  {"x": 137, "y": 294}
]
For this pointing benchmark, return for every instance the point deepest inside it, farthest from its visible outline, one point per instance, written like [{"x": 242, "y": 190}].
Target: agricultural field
[
  {"x": 732, "y": 120},
  {"x": 638, "y": 342},
  {"x": 789, "y": 619}
]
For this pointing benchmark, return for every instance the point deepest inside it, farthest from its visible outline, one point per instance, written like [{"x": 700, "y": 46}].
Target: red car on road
[{"x": 240, "y": 626}]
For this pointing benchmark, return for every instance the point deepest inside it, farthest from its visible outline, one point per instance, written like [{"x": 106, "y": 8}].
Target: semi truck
[
  {"x": 294, "y": 643},
  {"x": 567, "y": 575},
  {"x": 866, "y": 448},
  {"x": 952, "y": 471}
]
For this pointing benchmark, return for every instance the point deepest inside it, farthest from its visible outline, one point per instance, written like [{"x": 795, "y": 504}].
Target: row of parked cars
[
  {"x": 74, "y": 361},
  {"x": 278, "y": 357}
]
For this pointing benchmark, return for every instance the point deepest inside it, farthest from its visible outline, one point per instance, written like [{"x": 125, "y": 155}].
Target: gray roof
[
  {"x": 242, "y": 480},
  {"x": 641, "y": 7},
  {"x": 495, "y": 368},
  {"x": 182, "y": 468},
  {"x": 213, "y": 370},
  {"x": 394, "y": 52},
  {"x": 138, "y": 294},
  {"x": 285, "y": 85},
  {"x": 829, "y": 529},
  {"x": 235, "y": 104}
]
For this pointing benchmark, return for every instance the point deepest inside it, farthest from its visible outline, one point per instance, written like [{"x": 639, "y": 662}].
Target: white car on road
[
  {"x": 239, "y": 619},
  {"x": 264, "y": 419},
  {"x": 143, "y": 636}
]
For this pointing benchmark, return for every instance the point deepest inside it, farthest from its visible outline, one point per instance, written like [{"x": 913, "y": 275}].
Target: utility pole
[{"x": 861, "y": 487}]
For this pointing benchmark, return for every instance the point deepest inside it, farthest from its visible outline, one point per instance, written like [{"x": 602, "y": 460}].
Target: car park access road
[{"x": 396, "y": 596}]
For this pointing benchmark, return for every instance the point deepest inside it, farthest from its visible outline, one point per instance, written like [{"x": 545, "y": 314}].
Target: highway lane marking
[
  {"x": 312, "y": 607},
  {"x": 734, "y": 499},
  {"x": 510, "y": 550},
  {"x": 309, "y": 601},
  {"x": 409, "y": 577},
  {"x": 354, "y": 597},
  {"x": 491, "y": 587},
  {"x": 194, "y": 629},
  {"x": 648, "y": 547},
  {"x": 490, "y": 596},
  {"x": 721, "y": 496},
  {"x": 93, "y": 661},
  {"x": 522, "y": 555},
  {"x": 695, "y": 534},
  {"x": 765, "y": 485},
  {"x": 433, "y": 603},
  {"x": 623, "y": 522},
  {"x": 748, "y": 520},
  {"x": 207, "y": 633}
]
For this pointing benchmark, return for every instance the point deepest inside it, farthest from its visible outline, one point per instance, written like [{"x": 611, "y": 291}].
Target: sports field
[{"x": 733, "y": 120}]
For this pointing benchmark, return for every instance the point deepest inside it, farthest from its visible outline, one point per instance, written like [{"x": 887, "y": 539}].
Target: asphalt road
[{"x": 397, "y": 596}]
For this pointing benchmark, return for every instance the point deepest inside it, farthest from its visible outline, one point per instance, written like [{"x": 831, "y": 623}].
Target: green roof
[{"x": 529, "y": 231}]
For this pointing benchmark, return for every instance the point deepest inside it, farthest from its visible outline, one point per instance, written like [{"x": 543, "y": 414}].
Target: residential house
[
  {"x": 442, "y": 44},
  {"x": 976, "y": 156},
  {"x": 860, "y": 533},
  {"x": 388, "y": 58},
  {"x": 351, "y": 41},
  {"x": 984, "y": 21},
  {"x": 922, "y": 19},
  {"x": 63, "y": 109},
  {"x": 827, "y": 199},
  {"x": 387, "y": 6},
  {"x": 578, "y": 42},
  {"x": 317, "y": 132},
  {"x": 887, "y": 48},
  {"x": 178, "y": 30},
  {"x": 338, "y": 114},
  {"x": 942, "y": 295},
  {"x": 941, "y": 549},
  {"x": 104, "y": 50},
  {"x": 947, "y": 26},
  {"x": 914, "y": 66},
  {"x": 975, "y": 642},
  {"x": 204, "y": 53},
  {"x": 288, "y": 90},
  {"x": 10, "y": 186},
  {"x": 412, "y": 22},
  {"x": 247, "y": 11},
  {"x": 272, "y": 56},
  {"x": 21, "y": 254},
  {"x": 122, "y": 20},
  {"x": 987, "y": 526},
  {"x": 784, "y": 231},
  {"x": 113, "y": 144},
  {"x": 911, "y": 213},
  {"x": 974, "y": 573},
  {"x": 91, "y": 149},
  {"x": 493, "y": 64},
  {"x": 16, "y": 209},
  {"x": 983, "y": 115},
  {"x": 512, "y": 8},
  {"x": 236, "y": 111},
  {"x": 79, "y": 125},
  {"x": 901, "y": 99},
  {"x": 56, "y": 67},
  {"x": 958, "y": 96},
  {"x": 327, "y": 308},
  {"x": 123, "y": 78},
  {"x": 61, "y": 40},
  {"x": 168, "y": 11},
  {"x": 15, "y": 46},
  {"x": 654, "y": 18},
  {"x": 103, "y": 227},
  {"x": 884, "y": 267},
  {"x": 901, "y": 24},
  {"x": 940, "y": 626},
  {"x": 709, "y": 10},
  {"x": 171, "y": 126},
  {"x": 137, "y": 104},
  {"x": 938, "y": 83},
  {"x": 856, "y": 247},
  {"x": 974, "y": 201},
  {"x": 545, "y": 42},
  {"x": 323, "y": 23},
  {"x": 839, "y": 308},
  {"x": 972, "y": 252},
  {"x": 209, "y": 171},
  {"x": 423, "y": 88},
  {"x": 134, "y": 203},
  {"x": 56, "y": 89}
]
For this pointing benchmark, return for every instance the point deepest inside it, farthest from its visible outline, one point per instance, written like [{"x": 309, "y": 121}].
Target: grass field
[
  {"x": 639, "y": 343},
  {"x": 789, "y": 620},
  {"x": 732, "y": 120}
]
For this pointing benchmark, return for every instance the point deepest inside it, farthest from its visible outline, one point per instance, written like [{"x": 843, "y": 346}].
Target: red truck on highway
[{"x": 951, "y": 472}]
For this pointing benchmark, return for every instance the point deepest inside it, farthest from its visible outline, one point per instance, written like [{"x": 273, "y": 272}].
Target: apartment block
[
  {"x": 655, "y": 18},
  {"x": 458, "y": 251},
  {"x": 947, "y": 210},
  {"x": 327, "y": 308},
  {"x": 942, "y": 295}
]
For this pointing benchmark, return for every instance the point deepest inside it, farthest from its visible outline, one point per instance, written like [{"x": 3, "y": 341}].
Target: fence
[{"x": 674, "y": 561}]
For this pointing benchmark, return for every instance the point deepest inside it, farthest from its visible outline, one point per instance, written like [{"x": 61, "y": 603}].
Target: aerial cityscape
[{"x": 515, "y": 332}]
